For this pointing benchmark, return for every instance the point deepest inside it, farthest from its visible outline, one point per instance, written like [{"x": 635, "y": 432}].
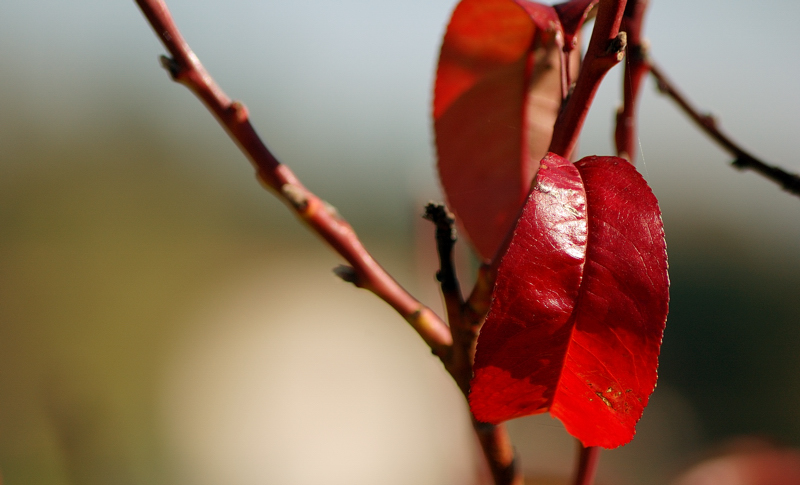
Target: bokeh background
[{"x": 163, "y": 320}]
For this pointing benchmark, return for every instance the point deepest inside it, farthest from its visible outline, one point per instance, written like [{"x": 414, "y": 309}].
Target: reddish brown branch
[
  {"x": 587, "y": 464},
  {"x": 606, "y": 48},
  {"x": 743, "y": 159},
  {"x": 497, "y": 447},
  {"x": 184, "y": 67},
  {"x": 635, "y": 71}
]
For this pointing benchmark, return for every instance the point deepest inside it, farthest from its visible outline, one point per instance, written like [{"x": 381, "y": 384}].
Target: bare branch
[
  {"x": 743, "y": 159},
  {"x": 185, "y": 68}
]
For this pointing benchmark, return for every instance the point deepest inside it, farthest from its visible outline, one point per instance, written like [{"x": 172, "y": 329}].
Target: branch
[
  {"x": 743, "y": 160},
  {"x": 635, "y": 71},
  {"x": 587, "y": 464},
  {"x": 458, "y": 362},
  {"x": 606, "y": 49},
  {"x": 496, "y": 446},
  {"x": 364, "y": 271}
]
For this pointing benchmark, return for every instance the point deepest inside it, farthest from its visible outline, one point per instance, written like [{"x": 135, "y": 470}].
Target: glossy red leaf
[
  {"x": 580, "y": 304},
  {"x": 496, "y": 98}
]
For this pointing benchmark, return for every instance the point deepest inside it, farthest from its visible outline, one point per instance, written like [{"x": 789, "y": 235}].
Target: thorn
[
  {"x": 346, "y": 273},
  {"x": 172, "y": 66}
]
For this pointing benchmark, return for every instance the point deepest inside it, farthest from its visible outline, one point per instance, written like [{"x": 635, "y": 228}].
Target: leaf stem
[{"x": 706, "y": 122}]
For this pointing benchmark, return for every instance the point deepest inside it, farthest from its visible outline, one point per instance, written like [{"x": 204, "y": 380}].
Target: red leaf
[
  {"x": 580, "y": 304},
  {"x": 497, "y": 94}
]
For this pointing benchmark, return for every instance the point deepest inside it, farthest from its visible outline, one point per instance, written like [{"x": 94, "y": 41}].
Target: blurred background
[{"x": 164, "y": 320}]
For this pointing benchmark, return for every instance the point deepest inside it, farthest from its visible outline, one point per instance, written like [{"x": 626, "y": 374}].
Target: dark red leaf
[
  {"x": 497, "y": 94},
  {"x": 579, "y": 308}
]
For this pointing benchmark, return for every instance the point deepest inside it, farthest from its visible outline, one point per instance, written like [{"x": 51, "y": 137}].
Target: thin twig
[
  {"x": 185, "y": 68},
  {"x": 635, "y": 71},
  {"x": 742, "y": 159}
]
